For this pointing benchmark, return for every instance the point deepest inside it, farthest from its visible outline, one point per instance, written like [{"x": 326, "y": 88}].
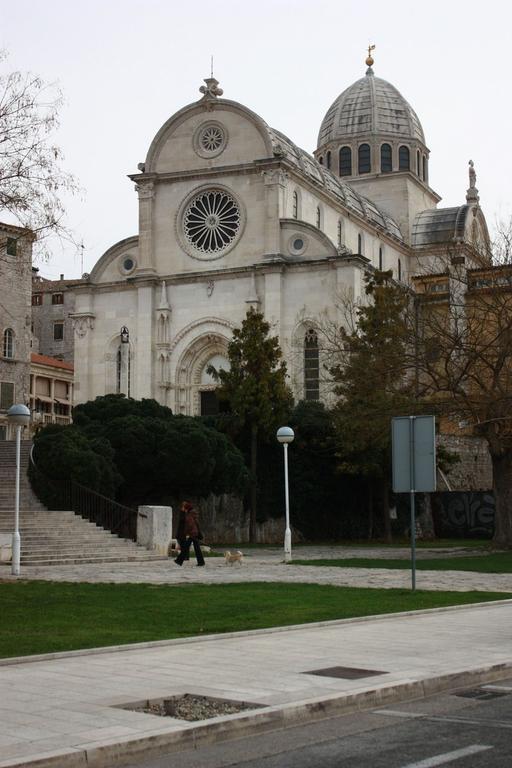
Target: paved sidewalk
[{"x": 62, "y": 711}]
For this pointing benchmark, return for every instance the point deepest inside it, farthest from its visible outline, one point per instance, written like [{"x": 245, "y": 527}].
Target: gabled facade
[{"x": 232, "y": 215}]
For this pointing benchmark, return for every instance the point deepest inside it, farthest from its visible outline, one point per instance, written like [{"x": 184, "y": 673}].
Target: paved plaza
[{"x": 267, "y": 565}]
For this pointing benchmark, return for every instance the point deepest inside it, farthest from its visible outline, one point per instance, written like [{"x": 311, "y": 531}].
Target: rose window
[
  {"x": 211, "y": 138},
  {"x": 211, "y": 221}
]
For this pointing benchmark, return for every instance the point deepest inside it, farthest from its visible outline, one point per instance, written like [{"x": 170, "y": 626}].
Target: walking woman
[{"x": 189, "y": 533}]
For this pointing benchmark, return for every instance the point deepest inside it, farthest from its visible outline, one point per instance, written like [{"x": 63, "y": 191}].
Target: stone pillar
[
  {"x": 275, "y": 185},
  {"x": 143, "y": 359},
  {"x": 273, "y": 298},
  {"x": 154, "y": 528},
  {"x": 145, "y": 189}
]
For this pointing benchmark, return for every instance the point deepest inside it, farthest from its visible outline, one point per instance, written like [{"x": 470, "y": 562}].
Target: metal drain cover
[
  {"x": 481, "y": 694},
  {"x": 347, "y": 673}
]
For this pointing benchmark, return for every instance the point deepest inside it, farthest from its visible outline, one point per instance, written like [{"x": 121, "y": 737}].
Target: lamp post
[
  {"x": 19, "y": 416},
  {"x": 285, "y": 436}
]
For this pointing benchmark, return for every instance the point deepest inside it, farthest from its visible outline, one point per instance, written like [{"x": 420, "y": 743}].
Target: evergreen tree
[
  {"x": 373, "y": 385},
  {"x": 255, "y": 389}
]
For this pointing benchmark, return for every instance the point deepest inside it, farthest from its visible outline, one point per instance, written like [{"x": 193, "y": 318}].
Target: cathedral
[{"x": 233, "y": 215}]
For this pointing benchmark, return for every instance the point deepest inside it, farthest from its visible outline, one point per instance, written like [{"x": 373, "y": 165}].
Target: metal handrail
[{"x": 96, "y": 507}]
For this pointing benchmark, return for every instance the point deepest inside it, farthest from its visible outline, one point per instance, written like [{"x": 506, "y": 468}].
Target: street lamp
[
  {"x": 19, "y": 416},
  {"x": 284, "y": 436}
]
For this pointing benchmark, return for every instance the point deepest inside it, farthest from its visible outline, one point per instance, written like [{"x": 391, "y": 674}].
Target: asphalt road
[{"x": 470, "y": 729}]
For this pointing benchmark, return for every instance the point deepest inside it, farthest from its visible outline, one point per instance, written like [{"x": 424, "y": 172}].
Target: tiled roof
[
  {"x": 370, "y": 106},
  {"x": 51, "y": 361}
]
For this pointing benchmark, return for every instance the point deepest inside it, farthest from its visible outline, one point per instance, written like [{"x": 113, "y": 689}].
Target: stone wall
[
  {"x": 15, "y": 284},
  {"x": 224, "y": 521},
  {"x": 46, "y": 314},
  {"x": 474, "y": 471}
]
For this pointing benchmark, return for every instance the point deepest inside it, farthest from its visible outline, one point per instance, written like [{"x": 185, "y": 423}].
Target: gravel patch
[{"x": 191, "y": 707}]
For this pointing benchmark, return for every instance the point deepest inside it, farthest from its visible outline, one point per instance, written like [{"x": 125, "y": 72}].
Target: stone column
[
  {"x": 145, "y": 189},
  {"x": 273, "y": 309},
  {"x": 275, "y": 185},
  {"x": 142, "y": 364}
]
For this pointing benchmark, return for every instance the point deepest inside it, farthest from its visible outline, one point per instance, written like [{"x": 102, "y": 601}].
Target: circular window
[
  {"x": 297, "y": 245},
  {"x": 211, "y": 222},
  {"x": 210, "y": 139},
  {"x": 127, "y": 264}
]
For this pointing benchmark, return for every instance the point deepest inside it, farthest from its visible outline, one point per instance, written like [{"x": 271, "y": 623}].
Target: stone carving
[
  {"x": 82, "y": 323},
  {"x": 204, "y": 321},
  {"x": 276, "y": 176},
  {"x": 210, "y": 285},
  {"x": 472, "y": 192},
  {"x": 145, "y": 190},
  {"x": 472, "y": 175},
  {"x": 211, "y": 89}
]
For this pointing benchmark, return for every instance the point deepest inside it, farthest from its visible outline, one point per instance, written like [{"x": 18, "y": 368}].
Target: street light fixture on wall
[
  {"x": 285, "y": 436},
  {"x": 19, "y": 416}
]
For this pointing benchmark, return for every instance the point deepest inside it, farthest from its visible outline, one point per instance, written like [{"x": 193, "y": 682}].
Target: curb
[
  {"x": 243, "y": 633},
  {"x": 109, "y": 754}
]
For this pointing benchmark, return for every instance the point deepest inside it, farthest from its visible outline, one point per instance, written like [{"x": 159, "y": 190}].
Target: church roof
[
  {"x": 370, "y": 106},
  {"x": 439, "y": 225},
  {"x": 285, "y": 148}
]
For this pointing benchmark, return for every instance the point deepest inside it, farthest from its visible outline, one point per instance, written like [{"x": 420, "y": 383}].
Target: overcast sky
[{"x": 125, "y": 66}]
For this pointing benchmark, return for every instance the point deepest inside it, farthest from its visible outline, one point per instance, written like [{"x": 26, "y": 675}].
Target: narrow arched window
[
  {"x": 311, "y": 366},
  {"x": 418, "y": 163},
  {"x": 340, "y": 232},
  {"x": 380, "y": 259},
  {"x": 345, "y": 161},
  {"x": 8, "y": 342},
  {"x": 123, "y": 370},
  {"x": 403, "y": 159},
  {"x": 360, "y": 243},
  {"x": 386, "y": 158},
  {"x": 295, "y": 206},
  {"x": 118, "y": 371},
  {"x": 364, "y": 164},
  {"x": 424, "y": 168},
  {"x": 318, "y": 217},
  {"x": 399, "y": 269},
  {"x": 321, "y": 160},
  {"x": 328, "y": 160}
]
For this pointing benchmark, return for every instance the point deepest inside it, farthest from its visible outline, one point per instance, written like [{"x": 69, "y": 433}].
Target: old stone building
[
  {"x": 15, "y": 337},
  {"x": 53, "y": 303},
  {"x": 232, "y": 215}
]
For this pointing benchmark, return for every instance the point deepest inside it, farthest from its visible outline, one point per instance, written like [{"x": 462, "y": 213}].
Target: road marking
[
  {"x": 447, "y": 757},
  {"x": 396, "y": 713},
  {"x": 470, "y": 721},
  {"x": 444, "y": 718}
]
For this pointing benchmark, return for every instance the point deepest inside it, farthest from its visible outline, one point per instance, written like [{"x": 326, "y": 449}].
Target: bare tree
[
  {"x": 461, "y": 335},
  {"x": 32, "y": 180}
]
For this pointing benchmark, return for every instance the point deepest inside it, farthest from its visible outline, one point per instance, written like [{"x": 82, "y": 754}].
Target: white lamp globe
[
  {"x": 285, "y": 435},
  {"x": 19, "y": 415}
]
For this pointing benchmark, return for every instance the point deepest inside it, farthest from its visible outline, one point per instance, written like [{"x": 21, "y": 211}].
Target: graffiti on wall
[{"x": 464, "y": 514}]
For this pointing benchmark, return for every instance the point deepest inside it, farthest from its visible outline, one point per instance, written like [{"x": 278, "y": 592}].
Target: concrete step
[
  {"x": 78, "y": 560},
  {"x": 73, "y": 554}
]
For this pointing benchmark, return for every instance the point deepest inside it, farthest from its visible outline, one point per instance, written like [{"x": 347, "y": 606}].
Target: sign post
[{"x": 413, "y": 440}]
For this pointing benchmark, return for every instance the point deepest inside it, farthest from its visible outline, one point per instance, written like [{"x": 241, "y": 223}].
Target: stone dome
[{"x": 370, "y": 107}]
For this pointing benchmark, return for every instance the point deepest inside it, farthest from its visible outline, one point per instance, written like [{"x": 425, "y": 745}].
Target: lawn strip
[{"x": 46, "y": 617}]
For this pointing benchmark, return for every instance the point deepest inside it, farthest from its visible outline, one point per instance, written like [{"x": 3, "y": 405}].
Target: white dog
[{"x": 233, "y": 557}]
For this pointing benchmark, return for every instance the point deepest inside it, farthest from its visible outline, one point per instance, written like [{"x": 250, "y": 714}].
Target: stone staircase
[{"x": 55, "y": 537}]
